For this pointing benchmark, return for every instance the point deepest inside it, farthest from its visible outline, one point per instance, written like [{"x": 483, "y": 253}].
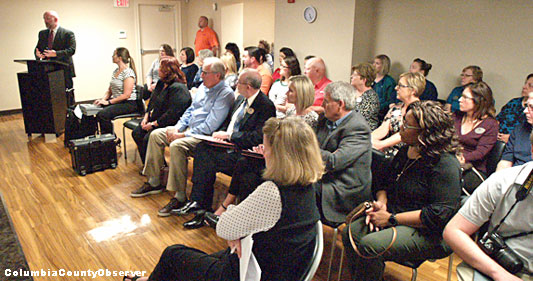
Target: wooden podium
[{"x": 42, "y": 95}]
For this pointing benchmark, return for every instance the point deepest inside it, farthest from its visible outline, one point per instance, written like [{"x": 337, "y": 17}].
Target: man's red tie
[{"x": 50, "y": 39}]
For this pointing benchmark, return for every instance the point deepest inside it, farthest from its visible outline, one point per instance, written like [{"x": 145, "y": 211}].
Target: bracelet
[{"x": 223, "y": 206}]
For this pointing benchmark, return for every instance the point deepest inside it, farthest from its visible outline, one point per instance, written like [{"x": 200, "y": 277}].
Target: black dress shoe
[
  {"x": 196, "y": 222},
  {"x": 189, "y": 208},
  {"x": 211, "y": 219}
]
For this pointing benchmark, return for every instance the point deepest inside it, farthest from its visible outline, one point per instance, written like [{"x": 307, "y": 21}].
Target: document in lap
[
  {"x": 248, "y": 266},
  {"x": 90, "y": 109},
  {"x": 222, "y": 143}
]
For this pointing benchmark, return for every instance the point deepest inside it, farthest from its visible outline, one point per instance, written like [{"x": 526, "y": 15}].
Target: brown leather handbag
[{"x": 358, "y": 212}]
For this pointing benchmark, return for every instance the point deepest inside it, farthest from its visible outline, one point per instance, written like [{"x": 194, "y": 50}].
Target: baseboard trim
[{"x": 10, "y": 112}]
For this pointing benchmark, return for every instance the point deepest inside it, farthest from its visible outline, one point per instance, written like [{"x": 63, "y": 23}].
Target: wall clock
[{"x": 310, "y": 14}]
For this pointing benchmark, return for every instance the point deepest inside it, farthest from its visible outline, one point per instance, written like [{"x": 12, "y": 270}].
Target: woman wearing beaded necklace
[
  {"x": 477, "y": 130},
  {"x": 386, "y": 137},
  {"x": 419, "y": 197}
]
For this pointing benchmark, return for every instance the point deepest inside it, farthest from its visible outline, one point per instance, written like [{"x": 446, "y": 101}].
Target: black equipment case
[{"x": 93, "y": 153}]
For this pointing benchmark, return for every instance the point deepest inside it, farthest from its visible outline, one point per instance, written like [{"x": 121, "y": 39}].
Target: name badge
[{"x": 479, "y": 131}]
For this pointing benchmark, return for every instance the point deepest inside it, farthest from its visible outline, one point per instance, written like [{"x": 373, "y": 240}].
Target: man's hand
[
  {"x": 235, "y": 246},
  {"x": 173, "y": 134},
  {"x": 50, "y": 53},
  {"x": 39, "y": 54},
  {"x": 259, "y": 149},
  {"x": 147, "y": 126},
  {"x": 152, "y": 87},
  {"x": 221, "y": 135}
]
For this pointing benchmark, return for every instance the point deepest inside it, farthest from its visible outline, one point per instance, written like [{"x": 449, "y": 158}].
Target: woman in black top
[
  {"x": 419, "y": 197},
  {"x": 188, "y": 66},
  {"x": 168, "y": 102}
]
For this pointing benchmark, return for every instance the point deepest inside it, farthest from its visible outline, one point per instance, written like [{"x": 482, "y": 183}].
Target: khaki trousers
[
  {"x": 180, "y": 150},
  {"x": 466, "y": 273}
]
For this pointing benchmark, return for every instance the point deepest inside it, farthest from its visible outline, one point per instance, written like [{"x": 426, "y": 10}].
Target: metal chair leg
[
  {"x": 333, "y": 246},
  {"x": 415, "y": 273},
  {"x": 450, "y": 267},
  {"x": 124, "y": 138},
  {"x": 340, "y": 264}
]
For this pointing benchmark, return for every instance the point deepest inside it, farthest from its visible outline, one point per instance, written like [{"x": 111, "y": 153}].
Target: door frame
[{"x": 177, "y": 19}]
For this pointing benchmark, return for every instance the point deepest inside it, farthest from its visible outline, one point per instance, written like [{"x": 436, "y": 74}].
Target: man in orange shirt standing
[{"x": 206, "y": 38}]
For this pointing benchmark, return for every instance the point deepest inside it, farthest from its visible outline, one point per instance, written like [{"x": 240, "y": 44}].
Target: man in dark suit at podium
[{"x": 57, "y": 43}]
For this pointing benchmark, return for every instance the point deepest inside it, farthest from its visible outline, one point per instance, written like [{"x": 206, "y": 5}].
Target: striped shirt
[{"x": 117, "y": 83}]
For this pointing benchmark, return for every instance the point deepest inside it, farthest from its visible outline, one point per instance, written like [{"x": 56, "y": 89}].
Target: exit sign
[{"x": 122, "y": 3}]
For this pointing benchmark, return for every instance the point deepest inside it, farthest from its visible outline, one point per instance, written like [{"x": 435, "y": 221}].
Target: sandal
[{"x": 135, "y": 277}]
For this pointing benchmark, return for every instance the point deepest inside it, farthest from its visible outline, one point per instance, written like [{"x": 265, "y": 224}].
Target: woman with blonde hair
[
  {"x": 280, "y": 214},
  {"x": 386, "y": 137},
  {"x": 384, "y": 84},
  {"x": 231, "y": 70},
  {"x": 302, "y": 95}
]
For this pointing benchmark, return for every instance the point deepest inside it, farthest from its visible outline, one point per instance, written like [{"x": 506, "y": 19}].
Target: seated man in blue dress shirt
[
  {"x": 206, "y": 114},
  {"x": 518, "y": 149}
]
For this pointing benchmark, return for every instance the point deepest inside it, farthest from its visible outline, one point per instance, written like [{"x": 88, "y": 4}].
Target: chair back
[
  {"x": 317, "y": 254},
  {"x": 139, "y": 99},
  {"x": 494, "y": 157}
]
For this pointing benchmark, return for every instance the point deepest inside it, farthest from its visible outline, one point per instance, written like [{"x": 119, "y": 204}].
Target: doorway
[{"x": 156, "y": 23}]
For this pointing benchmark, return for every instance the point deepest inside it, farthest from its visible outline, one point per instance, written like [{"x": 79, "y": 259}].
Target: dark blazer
[
  {"x": 250, "y": 133},
  {"x": 167, "y": 105},
  {"x": 64, "y": 45},
  {"x": 347, "y": 155}
]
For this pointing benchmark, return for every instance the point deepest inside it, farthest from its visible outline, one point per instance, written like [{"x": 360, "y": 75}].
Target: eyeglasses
[
  {"x": 403, "y": 86},
  {"x": 467, "y": 97},
  {"x": 283, "y": 66},
  {"x": 466, "y": 75}
]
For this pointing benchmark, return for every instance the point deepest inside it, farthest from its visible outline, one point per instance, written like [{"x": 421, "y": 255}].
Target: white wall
[
  {"x": 329, "y": 37},
  {"x": 95, "y": 23},
  {"x": 452, "y": 34}
]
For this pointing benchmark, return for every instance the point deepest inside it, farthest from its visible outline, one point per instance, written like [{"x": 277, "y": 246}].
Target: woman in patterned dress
[{"x": 386, "y": 137}]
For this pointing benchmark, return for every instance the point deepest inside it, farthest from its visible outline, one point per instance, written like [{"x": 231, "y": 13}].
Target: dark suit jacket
[
  {"x": 168, "y": 105},
  {"x": 250, "y": 133},
  {"x": 64, "y": 45},
  {"x": 347, "y": 155}
]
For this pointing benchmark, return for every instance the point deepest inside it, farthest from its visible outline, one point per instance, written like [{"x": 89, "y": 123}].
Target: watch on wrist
[{"x": 392, "y": 220}]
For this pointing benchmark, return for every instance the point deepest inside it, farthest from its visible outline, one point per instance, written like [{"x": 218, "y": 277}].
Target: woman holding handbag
[{"x": 415, "y": 202}]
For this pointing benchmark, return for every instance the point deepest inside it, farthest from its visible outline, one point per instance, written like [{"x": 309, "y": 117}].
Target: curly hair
[{"x": 437, "y": 134}]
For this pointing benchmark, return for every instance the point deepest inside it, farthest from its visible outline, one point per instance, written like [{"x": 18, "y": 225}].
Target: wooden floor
[{"x": 69, "y": 222}]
